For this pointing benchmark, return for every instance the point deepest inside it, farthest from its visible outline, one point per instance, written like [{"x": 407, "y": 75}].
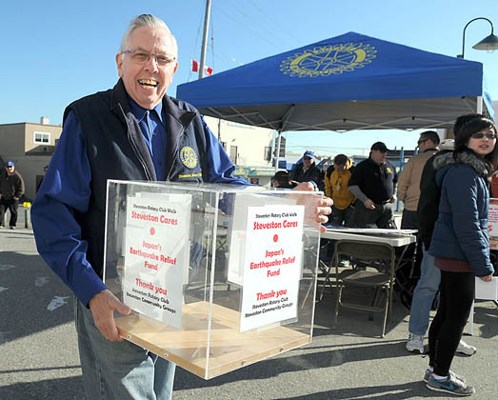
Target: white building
[{"x": 250, "y": 148}]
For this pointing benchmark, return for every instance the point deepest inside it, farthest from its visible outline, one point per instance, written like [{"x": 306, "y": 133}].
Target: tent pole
[
  {"x": 205, "y": 39},
  {"x": 284, "y": 121},
  {"x": 401, "y": 166},
  {"x": 479, "y": 105},
  {"x": 277, "y": 153}
]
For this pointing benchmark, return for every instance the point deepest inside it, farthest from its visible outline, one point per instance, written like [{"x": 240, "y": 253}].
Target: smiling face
[
  {"x": 147, "y": 83},
  {"x": 482, "y": 146}
]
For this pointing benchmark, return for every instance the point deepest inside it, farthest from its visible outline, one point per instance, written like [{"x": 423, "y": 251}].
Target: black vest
[{"x": 116, "y": 149}]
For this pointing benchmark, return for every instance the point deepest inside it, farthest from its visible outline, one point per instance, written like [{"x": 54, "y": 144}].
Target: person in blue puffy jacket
[{"x": 460, "y": 245}]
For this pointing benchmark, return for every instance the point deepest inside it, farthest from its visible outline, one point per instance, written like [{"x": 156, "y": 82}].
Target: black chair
[{"x": 372, "y": 270}]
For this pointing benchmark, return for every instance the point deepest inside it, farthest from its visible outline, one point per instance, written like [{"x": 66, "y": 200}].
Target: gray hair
[{"x": 146, "y": 20}]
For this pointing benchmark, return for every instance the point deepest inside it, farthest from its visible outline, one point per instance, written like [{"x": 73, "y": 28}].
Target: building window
[{"x": 41, "y": 137}]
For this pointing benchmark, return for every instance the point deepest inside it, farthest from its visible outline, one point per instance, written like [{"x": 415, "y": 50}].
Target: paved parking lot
[{"x": 39, "y": 360}]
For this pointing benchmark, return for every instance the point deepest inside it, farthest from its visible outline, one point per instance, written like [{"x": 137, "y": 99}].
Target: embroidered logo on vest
[{"x": 188, "y": 157}]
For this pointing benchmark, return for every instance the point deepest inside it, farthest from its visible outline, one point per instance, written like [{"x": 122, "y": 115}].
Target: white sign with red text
[
  {"x": 156, "y": 255},
  {"x": 272, "y": 267},
  {"x": 493, "y": 224}
]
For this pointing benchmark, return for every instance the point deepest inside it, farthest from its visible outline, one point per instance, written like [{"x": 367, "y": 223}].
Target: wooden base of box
[{"x": 229, "y": 349}]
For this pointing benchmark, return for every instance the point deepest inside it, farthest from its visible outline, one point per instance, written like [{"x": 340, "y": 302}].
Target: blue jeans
[
  {"x": 119, "y": 370},
  {"x": 423, "y": 296}
]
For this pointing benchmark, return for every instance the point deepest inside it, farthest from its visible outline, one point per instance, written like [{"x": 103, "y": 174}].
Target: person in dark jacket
[
  {"x": 307, "y": 171},
  {"x": 11, "y": 190},
  {"x": 427, "y": 286},
  {"x": 373, "y": 183},
  {"x": 460, "y": 244}
]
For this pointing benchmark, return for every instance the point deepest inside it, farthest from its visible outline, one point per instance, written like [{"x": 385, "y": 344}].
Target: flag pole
[{"x": 205, "y": 39}]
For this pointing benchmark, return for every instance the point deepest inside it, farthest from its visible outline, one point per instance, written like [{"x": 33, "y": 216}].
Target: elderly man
[
  {"x": 131, "y": 132},
  {"x": 372, "y": 183},
  {"x": 11, "y": 190}
]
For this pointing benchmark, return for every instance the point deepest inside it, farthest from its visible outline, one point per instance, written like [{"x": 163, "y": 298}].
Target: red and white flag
[{"x": 208, "y": 71}]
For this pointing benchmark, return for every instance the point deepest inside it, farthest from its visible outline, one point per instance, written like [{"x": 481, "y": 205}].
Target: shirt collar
[{"x": 139, "y": 112}]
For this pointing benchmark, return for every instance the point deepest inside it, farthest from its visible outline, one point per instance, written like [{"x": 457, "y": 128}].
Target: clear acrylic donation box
[{"x": 218, "y": 276}]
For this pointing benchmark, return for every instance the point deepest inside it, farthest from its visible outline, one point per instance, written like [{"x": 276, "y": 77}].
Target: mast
[{"x": 205, "y": 39}]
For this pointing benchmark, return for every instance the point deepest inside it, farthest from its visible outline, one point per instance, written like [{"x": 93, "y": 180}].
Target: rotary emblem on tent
[
  {"x": 328, "y": 60},
  {"x": 188, "y": 157}
]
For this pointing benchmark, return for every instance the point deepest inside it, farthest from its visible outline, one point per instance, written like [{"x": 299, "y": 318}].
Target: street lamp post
[{"x": 488, "y": 43}]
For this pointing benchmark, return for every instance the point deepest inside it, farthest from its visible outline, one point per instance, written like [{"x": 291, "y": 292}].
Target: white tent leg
[
  {"x": 277, "y": 154},
  {"x": 479, "y": 105}
]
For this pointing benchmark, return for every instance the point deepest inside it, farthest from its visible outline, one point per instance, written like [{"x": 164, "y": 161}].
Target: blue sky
[{"x": 58, "y": 51}]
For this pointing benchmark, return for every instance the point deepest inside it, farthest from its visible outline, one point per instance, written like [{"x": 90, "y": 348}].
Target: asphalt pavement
[{"x": 39, "y": 358}]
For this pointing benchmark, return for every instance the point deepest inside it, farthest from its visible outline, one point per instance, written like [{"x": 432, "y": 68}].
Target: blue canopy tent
[{"x": 349, "y": 82}]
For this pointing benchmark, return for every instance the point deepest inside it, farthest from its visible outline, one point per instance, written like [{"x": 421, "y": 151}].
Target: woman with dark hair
[{"x": 460, "y": 245}]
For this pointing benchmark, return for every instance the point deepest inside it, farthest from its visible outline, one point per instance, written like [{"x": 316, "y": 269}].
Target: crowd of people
[
  {"x": 363, "y": 195},
  {"x": 445, "y": 191}
]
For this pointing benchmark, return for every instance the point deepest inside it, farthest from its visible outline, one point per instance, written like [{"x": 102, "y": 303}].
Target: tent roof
[{"x": 347, "y": 82}]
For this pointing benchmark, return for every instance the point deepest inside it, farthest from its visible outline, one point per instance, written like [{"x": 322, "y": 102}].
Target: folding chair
[{"x": 373, "y": 268}]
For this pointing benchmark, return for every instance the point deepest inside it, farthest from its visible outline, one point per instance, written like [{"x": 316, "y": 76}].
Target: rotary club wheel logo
[
  {"x": 328, "y": 60},
  {"x": 188, "y": 157}
]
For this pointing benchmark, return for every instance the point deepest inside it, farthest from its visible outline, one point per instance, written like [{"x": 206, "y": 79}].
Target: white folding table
[{"x": 399, "y": 238}]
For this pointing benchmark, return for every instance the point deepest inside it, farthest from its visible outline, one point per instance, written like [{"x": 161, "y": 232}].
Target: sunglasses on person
[
  {"x": 422, "y": 141},
  {"x": 307, "y": 158},
  {"x": 480, "y": 135}
]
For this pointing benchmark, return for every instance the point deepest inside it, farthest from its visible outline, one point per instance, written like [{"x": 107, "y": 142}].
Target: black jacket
[
  {"x": 428, "y": 204},
  {"x": 117, "y": 150}
]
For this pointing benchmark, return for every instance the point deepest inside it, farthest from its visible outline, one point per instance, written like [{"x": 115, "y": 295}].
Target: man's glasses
[
  {"x": 480, "y": 135},
  {"x": 306, "y": 158},
  {"x": 422, "y": 141},
  {"x": 142, "y": 57}
]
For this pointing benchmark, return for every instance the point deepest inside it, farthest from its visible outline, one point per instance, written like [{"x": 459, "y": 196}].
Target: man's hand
[
  {"x": 486, "y": 278},
  {"x": 102, "y": 306},
  {"x": 369, "y": 204},
  {"x": 316, "y": 206}
]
